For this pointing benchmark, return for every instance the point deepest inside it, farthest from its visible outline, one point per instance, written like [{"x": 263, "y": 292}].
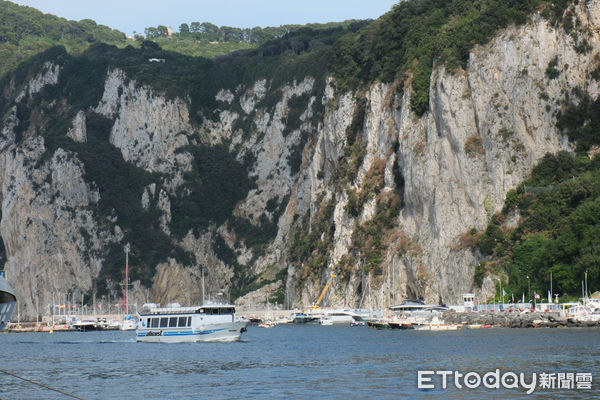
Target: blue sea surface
[{"x": 293, "y": 361}]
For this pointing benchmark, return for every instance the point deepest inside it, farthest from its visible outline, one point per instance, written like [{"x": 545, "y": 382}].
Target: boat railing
[{"x": 169, "y": 310}]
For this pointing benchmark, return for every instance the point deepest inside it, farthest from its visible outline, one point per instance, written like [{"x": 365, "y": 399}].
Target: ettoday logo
[{"x": 508, "y": 380}]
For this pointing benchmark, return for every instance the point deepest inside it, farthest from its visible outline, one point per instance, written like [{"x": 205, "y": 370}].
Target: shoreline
[{"x": 500, "y": 319}]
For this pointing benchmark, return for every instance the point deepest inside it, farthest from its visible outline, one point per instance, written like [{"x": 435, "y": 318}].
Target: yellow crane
[{"x": 329, "y": 282}]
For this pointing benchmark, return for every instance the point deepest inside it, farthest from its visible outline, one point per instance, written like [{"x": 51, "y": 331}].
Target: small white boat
[
  {"x": 177, "y": 324},
  {"x": 86, "y": 325},
  {"x": 130, "y": 323},
  {"x": 341, "y": 316},
  {"x": 266, "y": 324},
  {"x": 437, "y": 327}
]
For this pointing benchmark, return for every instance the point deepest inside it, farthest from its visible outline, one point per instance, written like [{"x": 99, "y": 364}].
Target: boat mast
[
  {"x": 550, "y": 301},
  {"x": 393, "y": 296},
  {"x": 370, "y": 299},
  {"x": 125, "y": 302}
]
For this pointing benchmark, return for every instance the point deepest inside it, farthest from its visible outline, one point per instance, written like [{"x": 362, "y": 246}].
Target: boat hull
[
  {"x": 8, "y": 302},
  {"x": 220, "y": 332},
  {"x": 84, "y": 326},
  {"x": 6, "y": 310}
]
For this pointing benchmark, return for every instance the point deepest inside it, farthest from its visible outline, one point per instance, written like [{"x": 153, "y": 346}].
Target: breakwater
[{"x": 515, "y": 319}]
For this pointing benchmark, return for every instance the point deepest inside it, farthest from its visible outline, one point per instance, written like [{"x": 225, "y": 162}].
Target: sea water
[{"x": 296, "y": 361}]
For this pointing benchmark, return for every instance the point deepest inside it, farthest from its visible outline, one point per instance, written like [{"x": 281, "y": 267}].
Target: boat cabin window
[
  {"x": 218, "y": 311},
  {"x": 169, "y": 322}
]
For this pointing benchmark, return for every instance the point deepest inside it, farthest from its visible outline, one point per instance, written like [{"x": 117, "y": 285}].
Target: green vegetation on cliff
[
  {"x": 216, "y": 183},
  {"x": 558, "y": 231},
  {"x": 559, "y": 206},
  {"x": 403, "y": 45},
  {"x": 208, "y": 40},
  {"x": 25, "y": 31},
  {"x": 407, "y": 42}
]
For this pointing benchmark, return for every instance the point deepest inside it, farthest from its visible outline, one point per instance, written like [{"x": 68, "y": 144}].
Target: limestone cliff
[{"x": 350, "y": 183}]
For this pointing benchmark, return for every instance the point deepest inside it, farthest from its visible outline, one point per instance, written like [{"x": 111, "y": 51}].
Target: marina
[{"x": 411, "y": 314}]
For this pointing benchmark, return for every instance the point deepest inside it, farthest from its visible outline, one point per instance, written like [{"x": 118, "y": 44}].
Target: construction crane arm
[{"x": 329, "y": 282}]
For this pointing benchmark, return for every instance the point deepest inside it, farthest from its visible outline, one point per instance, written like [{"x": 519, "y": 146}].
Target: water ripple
[{"x": 290, "y": 362}]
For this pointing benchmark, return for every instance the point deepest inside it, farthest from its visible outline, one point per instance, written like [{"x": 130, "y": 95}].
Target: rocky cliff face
[{"x": 383, "y": 209}]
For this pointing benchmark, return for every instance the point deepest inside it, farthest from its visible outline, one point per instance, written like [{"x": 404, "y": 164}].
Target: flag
[
  {"x": 537, "y": 296},
  {"x": 503, "y": 292}
]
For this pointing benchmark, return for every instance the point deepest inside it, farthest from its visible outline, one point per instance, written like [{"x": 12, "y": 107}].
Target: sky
[{"x": 135, "y": 15}]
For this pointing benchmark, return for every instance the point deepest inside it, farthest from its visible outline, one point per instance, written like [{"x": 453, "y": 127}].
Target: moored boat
[
  {"x": 437, "y": 327},
  {"x": 8, "y": 300},
  {"x": 86, "y": 325},
  {"x": 400, "y": 325},
  {"x": 417, "y": 306},
  {"x": 130, "y": 323},
  {"x": 266, "y": 324},
  {"x": 304, "y": 318},
  {"x": 379, "y": 324},
  {"x": 177, "y": 324}
]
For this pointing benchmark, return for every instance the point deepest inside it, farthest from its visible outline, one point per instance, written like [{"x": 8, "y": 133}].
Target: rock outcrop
[{"x": 486, "y": 127}]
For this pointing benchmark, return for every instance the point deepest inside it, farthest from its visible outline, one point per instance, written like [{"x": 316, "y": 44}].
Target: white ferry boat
[
  {"x": 177, "y": 324},
  {"x": 344, "y": 316},
  {"x": 8, "y": 300}
]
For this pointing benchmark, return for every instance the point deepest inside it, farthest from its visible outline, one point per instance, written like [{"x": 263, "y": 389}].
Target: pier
[{"x": 65, "y": 323}]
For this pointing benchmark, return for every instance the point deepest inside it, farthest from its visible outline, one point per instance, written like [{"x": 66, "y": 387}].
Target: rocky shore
[{"x": 515, "y": 319}]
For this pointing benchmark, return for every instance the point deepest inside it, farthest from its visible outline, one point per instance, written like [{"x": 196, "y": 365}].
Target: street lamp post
[{"x": 528, "y": 289}]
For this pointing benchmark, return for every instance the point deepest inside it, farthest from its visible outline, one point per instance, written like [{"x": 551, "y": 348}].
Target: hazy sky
[{"x": 135, "y": 15}]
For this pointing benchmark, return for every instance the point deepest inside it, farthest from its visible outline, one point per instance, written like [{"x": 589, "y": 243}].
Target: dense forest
[
  {"x": 406, "y": 42},
  {"x": 25, "y": 31},
  {"x": 208, "y": 40}
]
